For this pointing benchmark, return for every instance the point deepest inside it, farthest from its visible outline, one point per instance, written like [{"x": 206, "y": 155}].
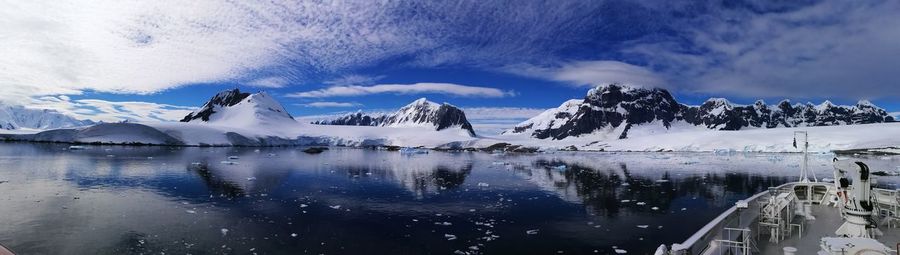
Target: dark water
[{"x": 153, "y": 200}]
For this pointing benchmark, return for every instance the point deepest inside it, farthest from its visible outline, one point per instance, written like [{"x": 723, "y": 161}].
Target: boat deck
[{"x": 828, "y": 219}]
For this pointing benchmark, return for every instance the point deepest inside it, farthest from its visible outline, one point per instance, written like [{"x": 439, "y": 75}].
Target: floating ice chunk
[
  {"x": 251, "y": 178},
  {"x": 654, "y": 208},
  {"x": 224, "y": 231},
  {"x": 303, "y": 205},
  {"x": 227, "y": 162},
  {"x": 191, "y": 211},
  {"x": 643, "y": 226},
  {"x": 684, "y": 209},
  {"x": 531, "y": 232},
  {"x": 293, "y": 234},
  {"x": 625, "y": 201},
  {"x": 620, "y": 251},
  {"x": 443, "y": 223},
  {"x": 450, "y": 237},
  {"x": 195, "y": 163},
  {"x": 560, "y": 167},
  {"x": 662, "y": 181},
  {"x": 640, "y": 203},
  {"x": 625, "y": 184},
  {"x": 483, "y": 184},
  {"x": 336, "y": 207}
]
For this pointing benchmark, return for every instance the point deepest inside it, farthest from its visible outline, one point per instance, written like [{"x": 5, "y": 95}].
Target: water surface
[{"x": 154, "y": 200}]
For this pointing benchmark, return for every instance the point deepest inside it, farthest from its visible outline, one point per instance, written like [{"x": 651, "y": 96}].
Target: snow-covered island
[{"x": 610, "y": 117}]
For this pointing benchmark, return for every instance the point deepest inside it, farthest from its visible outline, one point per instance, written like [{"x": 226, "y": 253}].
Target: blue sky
[{"x": 138, "y": 59}]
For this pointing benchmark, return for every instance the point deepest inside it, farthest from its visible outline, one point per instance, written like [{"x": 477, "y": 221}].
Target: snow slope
[
  {"x": 237, "y": 109},
  {"x": 689, "y": 138}
]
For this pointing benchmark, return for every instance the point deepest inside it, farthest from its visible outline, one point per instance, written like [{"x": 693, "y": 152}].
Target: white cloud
[
  {"x": 494, "y": 113},
  {"x": 354, "y": 79},
  {"x": 415, "y": 88},
  {"x": 326, "y": 104},
  {"x": 834, "y": 49},
  {"x": 108, "y": 111},
  {"x": 130, "y": 46},
  {"x": 590, "y": 73},
  {"x": 65, "y": 47},
  {"x": 268, "y": 82}
]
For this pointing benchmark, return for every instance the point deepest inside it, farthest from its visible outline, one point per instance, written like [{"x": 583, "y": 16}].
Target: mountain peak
[
  {"x": 419, "y": 113},
  {"x": 234, "y": 107}
]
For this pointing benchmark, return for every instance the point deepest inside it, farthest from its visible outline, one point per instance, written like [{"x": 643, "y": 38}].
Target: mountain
[
  {"x": 618, "y": 108},
  {"x": 355, "y": 119},
  {"x": 233, "y": 107},
  {"x": 419, "y": 113},
  {"x": 16, "y": 117}
]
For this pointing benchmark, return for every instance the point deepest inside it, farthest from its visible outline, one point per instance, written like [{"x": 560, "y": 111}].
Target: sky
[{"x": 502, "y": 61}]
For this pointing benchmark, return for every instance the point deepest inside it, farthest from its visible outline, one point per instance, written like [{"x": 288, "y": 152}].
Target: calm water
[{"x": 153, "y": 200}]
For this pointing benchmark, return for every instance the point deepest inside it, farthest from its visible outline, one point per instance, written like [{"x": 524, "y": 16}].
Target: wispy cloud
[
  {"x": 327, "y": 104},
  {"x": 415, "y": 88},
  {"x": 268, "y": 82},
  {"x": 354, "y": 79},
  {"x": 66, "y": 47},
  {"x": 109, "y": 111},
  {"x": 493, "y": 113},
  {"x": 590, "y": 73},
  {"x": 832, "y": 49},
  {"x": 494, "y": 120}
]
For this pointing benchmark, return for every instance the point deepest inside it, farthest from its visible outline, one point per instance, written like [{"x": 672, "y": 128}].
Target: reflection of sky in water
[{"x": 350, "y": 201}]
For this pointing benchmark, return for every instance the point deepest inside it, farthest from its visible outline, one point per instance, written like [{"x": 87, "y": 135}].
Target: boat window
[
  {"x": 819, "y": 193},
  {"x": 801, "y": 191}
]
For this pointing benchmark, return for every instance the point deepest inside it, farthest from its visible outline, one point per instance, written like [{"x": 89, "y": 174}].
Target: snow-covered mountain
[
  {"x": 233, "y": 107},
  {"x": 16, "y": 117},
  {"x": 355, "y": 119},
  {"x": 614, "y": 109},
  {"x": 419, "y": 113}
]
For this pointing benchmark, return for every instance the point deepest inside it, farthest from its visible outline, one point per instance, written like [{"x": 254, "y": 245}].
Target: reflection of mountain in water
[
  {"x": 604, "y": 190},
  {"x": 427, "y": 174},
  {"x": 215, "y": 184}
]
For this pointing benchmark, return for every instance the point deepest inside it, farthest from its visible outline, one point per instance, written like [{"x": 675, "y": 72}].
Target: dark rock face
[
  {"x": 222, "y": 99},
  {"x": 614, "y": 105},
  {"x": 357, "y": 119},
  {"x": 722, "y": 115},
  {"x": 419, "y": 112}
]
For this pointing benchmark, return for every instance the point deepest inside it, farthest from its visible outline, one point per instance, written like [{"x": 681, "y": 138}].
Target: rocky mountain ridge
[
  {"x": 421, "y": 113},
  {"x": 620, "y": 107}
]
